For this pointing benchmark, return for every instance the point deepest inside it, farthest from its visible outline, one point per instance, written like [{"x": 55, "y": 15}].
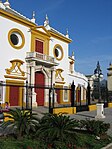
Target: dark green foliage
[
  {"x": 55, "y": 128},
  {"x": 53, "y": 131},
  {"x": 86, "y": 141},
  {"x": 21, "y": 123},
  {"x": 95, "y": 127}
]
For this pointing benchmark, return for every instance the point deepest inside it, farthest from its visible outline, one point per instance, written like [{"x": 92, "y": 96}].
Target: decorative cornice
[
  {"x": 60, "y": 37},
  {"x": 16, "y": 18}
]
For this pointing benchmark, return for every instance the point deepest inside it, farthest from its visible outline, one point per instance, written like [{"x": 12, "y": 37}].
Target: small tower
[
  {"x": 109, "y": 78},
  {"x": 73, "y": 56},
  {"x": 2, "y": 5},
  {"x": 46, "y": 23},
  {"x": 7, "y": 4},
  {"x": 33, "y": 17},
  {"x": 67, "y": 35}
]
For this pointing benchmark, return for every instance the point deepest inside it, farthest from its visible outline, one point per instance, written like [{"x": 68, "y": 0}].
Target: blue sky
[{"x": 89, "y": 23}]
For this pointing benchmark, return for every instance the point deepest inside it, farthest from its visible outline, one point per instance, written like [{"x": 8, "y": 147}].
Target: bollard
[{"x": 100, "y": 111}]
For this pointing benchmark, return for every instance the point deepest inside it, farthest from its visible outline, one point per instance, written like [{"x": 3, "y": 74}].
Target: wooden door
[
  {"x": 39, "y": 81},
  {"x": 14, "y": 96}
]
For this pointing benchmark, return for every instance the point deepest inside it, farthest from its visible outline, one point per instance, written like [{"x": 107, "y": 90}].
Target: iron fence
[{"x": 68, "y": 94}]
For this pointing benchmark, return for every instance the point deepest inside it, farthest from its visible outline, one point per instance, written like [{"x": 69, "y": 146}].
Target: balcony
[{"x": 41, "y": 59}]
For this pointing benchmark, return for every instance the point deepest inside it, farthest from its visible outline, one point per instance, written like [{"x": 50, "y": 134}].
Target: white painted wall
[
  {"x": 64, "y": 63},
  {"x": 77, "y": 77},
  {"x": 7, "y": 51}
]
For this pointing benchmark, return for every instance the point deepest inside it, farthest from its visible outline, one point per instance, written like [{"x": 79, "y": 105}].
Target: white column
[
  {"x": 100, "y": 111},
  {"x": 34, "y": 103}
]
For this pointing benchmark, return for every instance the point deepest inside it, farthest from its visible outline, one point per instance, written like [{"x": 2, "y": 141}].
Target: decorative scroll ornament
[
  {"x": 15, "y": 70},
  {"x": 58, "y": 75}
]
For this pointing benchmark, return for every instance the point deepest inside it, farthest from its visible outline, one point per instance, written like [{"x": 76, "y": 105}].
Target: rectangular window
[
  {"x": 65, "y": 94},
  {"x": 38, "y": 46}
]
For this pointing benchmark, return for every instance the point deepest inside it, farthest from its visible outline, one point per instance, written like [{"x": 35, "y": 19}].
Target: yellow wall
[
  {"x": 35, "y": 34},
  {"x": 92, "y": 107},
  {"x": 110, "y": 105},
  {"x": 66, "y": 110}
]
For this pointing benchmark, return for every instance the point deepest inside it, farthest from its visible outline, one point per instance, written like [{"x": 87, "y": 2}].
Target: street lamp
[
  {"x": 27, "y": 100},
  {"x": 99, "y": 75}
]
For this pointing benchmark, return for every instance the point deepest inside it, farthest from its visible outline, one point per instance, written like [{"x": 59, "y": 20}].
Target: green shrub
[
  {"x": 95, "y": 127},
  {"x": 21, "y": 122},
  {"x": 57, "y": 128}
]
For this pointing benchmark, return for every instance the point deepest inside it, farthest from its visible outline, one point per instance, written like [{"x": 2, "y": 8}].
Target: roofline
[
  {"x": 69, "y": 57},
  {"x": 18, "y": 19},
  {"x": 57, "y": 35},
  {"x": 44, "y": 30}
]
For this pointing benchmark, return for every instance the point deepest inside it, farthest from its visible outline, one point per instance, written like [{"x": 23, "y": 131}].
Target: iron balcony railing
[{"x": 40, "y": 57}]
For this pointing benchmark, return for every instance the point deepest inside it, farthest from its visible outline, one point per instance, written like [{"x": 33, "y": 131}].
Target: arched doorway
[{"x": 39, "y": 81}]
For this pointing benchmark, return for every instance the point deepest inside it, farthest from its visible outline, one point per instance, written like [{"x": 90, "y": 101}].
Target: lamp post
[
  {"x": 88, "y": 93},
  {"x": 30, "y": 89},
  {"x": 51, "y": 95},
  {"x": 98, "y": 75},
  {"x": 27, "y": 100}
]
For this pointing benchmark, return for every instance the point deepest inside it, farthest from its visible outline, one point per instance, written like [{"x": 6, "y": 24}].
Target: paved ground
[
  {"x": 84, "y": 115},
  {"x": 92, "y": 114}
]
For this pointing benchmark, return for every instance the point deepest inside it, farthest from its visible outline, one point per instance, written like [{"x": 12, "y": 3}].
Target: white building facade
[{"x": 39, "y": 54}]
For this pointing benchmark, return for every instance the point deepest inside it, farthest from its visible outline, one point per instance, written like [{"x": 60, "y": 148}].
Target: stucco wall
[{"x": 7, "y": 51}]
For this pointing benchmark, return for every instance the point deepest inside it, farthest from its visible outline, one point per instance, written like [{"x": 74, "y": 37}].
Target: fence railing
[{"x": 27, "y": 94}]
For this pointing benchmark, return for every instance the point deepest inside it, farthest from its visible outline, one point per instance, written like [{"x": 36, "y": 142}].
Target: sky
[{"x": 89, "y": 23}]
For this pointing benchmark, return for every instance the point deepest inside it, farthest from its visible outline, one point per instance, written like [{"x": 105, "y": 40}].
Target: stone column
[{"x": 32, "y": 73}]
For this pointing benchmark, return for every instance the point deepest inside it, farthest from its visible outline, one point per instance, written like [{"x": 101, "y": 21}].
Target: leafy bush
[
  {"x": 21, "y": 122},
  {"x": 85, "y": 141},
  {"x": 53, "y": 131},
  {"x": 56, "y": 129},
  {"x": 95, "y": 127}
]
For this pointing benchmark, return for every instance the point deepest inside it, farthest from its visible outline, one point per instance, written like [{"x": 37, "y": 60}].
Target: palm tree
[
  {"x": 21, "y": 122},
  {"x": 57, "y": 128}
]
